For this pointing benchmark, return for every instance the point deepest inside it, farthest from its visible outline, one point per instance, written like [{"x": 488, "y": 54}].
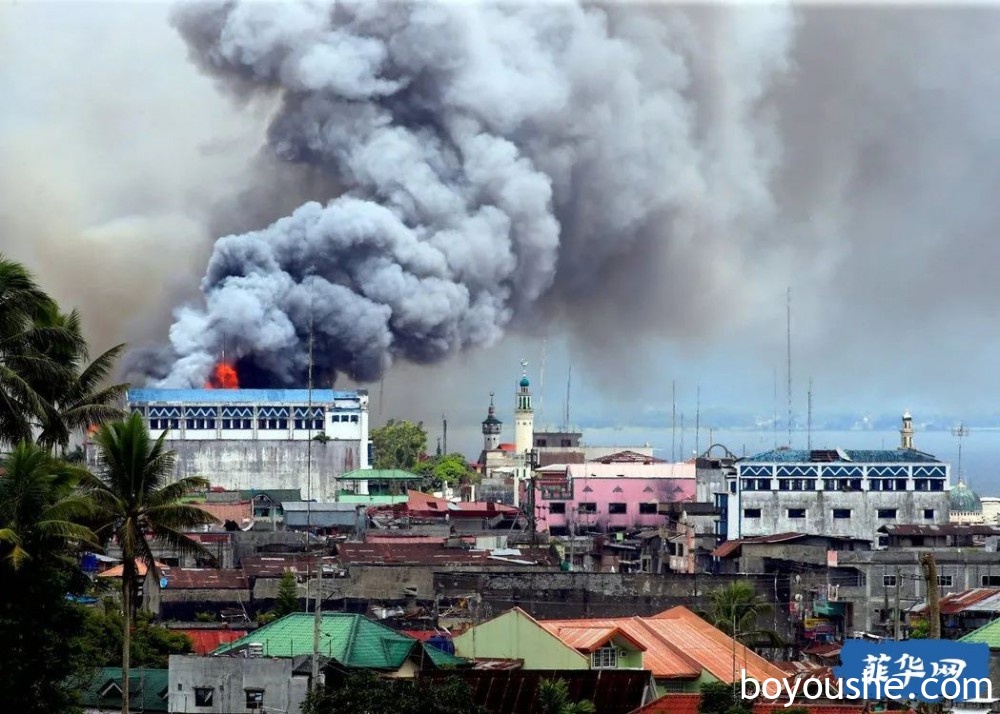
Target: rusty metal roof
[
  {"x": 587, "y": 638},
  {"x": 437, "y": 554},
  {"x": 205, "y": 579},
  {"x": 945, "y": 529},
  {"x": 977, "y": 599},
  {"x": 732, "y": 546}
]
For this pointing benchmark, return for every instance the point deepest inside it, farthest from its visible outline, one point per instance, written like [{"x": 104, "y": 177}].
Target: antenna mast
[
  {"x": 444, "y": 426},
  {"x": 960, "y": 432},
  {"x": 809, "y": 418},
  {"x": 789, "y": 344},
  {"x": 774, "y": 413},
  {"x": 697, "y": 422},
  {"x": 541, "y": 384},
  {"x": 673, "y": 421}
]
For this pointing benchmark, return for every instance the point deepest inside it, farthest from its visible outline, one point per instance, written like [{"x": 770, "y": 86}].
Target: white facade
[
  {"x": 244, "y": 439},
  {"x": 524, "y": 436}
]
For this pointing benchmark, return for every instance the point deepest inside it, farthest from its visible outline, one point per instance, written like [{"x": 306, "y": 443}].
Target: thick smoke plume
[{"x": 495, "y": 161}]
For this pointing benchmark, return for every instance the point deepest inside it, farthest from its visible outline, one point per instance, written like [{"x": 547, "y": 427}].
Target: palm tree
[
  {"x": 735, "y": 610},
  {"x": 40, "y": 513},
  {"x": 23, "y": 351},
  {"x": 553, "y": 698},
  {"x": 137, "y": 500},
  {"x": 78, "y": 399}
]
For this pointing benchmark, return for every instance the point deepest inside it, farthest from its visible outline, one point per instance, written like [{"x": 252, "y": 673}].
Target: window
[
  {"x": 255, "y": 698},
  {"x": 605, "y": 657},
  {"x": 565, "y": 443},
  {"x": 557, "y": 507},
  {"x": 929, "y": 514},
  {"x": 541, "y": 442},
  {"x": 558, "y": 490},
  {"x": 991, "y": 580},
  {"x": 203, "y": 696},
  {"x": 889, "y": 581},
  {"x": 732, "y": 487},
  {"x": 354, "y": 418},
  {"x": 617, "y": 508},
  {"x": 751, "y": 513},
  {"x": 841, "y": 512},
  {"x": 796, "y": 513},
  {"x": 945, "y": 581},
  {"x": 587, "y": 508},
  {"x": 648, "y": 509},
  {"x": 887, "y": 513}
]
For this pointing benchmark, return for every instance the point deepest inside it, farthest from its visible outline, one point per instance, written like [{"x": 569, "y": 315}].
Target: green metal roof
[
  {"x": 380, "y": 474},
  {"x": 351, "y": 639},
  {"x": 275, "y": 494},
  {"x": 989, "y": 634},
  {"x": 148, "y": 690}
]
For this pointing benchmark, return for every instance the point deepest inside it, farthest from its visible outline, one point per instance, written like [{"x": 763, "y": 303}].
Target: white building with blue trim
[
  {"x": 838, "y": 492},
  {"x": 245, "y": 439}
]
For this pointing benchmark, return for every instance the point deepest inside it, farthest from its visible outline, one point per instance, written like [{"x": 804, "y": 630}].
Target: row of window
[
  {"x": 614, "y": 509},
  {"x": 838, "y": 484},
  {"x": 840, "y": 513},
  {"x": 205, "y": 697},
  {"x": 247, "y": 424},
  {"x": 946, "y": 581}
]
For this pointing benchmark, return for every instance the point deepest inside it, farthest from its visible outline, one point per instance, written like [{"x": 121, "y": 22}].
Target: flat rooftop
[{"x": 238, "y": 396}]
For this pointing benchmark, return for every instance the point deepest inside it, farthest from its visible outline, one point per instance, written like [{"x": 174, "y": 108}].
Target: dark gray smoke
[{"x": 494, "y": 159}]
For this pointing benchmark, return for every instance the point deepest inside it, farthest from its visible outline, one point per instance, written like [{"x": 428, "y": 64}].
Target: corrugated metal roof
[
  {"x": 148, "y": 689},
  {"x": 378, "y": 474},
  {"x": 978, "y": 599},
  {"x": 864, "y": 456},
  {"x": 319, "y": 397},
  {"x": 431, "y": 554},
  {"x": 587, "y": 639},
  {"x": 988, "y": 634},
  {"x": 274, "y": 566},
  {"x": 207, "y": 641},
  {"x": 732, "y": 546},
  {"x": 350, "y": 639},
  {"x": 662, "y": 659},
  {"x": 943, "y": 529},
  {"x": 238, "y": 512},
  {"x": 205, "y": 579}
]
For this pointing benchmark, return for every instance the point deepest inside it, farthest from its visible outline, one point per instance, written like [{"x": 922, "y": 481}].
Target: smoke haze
[{"x": 640, "y": 183}]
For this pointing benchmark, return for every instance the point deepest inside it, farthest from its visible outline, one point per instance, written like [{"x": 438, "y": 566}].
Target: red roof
[
  {"x": 689, "y": 704},
  {"x": 590, "y": 638},
  {"x": 507, "y": 447},
  {"x": 274, "y": 566},
  {"x": 239, "y": 512},
  {"x": 205, "y": 579},
  {"x": 434, "y": 554},
  {"x": 207, "y": 641},
  {"x": 732, "y": 546}
]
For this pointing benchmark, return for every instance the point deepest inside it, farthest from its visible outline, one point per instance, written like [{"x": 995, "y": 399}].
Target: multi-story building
[
  {"x": 620, "y": 492},
  {"x": 260, "y": 439},
  {"x": 846, "y": 493}
]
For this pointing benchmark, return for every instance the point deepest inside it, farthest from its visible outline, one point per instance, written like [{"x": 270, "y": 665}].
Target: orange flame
[{"x": 223, "y": 377}]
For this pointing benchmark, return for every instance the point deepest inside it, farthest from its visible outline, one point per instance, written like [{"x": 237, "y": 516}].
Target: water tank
[{"x": 443, "y": 643}]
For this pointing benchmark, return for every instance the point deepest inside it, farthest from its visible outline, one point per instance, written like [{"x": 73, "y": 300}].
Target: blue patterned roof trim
[
  {"x": 237, "y": 396},
  {"x": 273, "y": 412},
  {"x": 872, "y": 456}
]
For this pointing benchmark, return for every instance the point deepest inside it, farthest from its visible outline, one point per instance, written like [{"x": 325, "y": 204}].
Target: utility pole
[
  {"x": 789, "y": 368},
  {"x": 673, "y": 422},
  {"x": 960, "y": 432},
  {"x": 898, "y": 614}
]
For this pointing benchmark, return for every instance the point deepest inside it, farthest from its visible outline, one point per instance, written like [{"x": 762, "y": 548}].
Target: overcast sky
[{"x": 881, "y": 135}]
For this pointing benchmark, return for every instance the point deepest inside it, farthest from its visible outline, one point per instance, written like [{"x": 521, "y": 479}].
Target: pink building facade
[{"x": 608, "y": 497}]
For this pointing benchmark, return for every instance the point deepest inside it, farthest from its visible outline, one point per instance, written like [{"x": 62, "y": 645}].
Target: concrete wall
[
  {"x": 230, "y": 677},
  {"x": 513, "y": 635},
  {"x": 604, "y": 491},
  {"x": 250, "y": 464},
  {"x": 819, "y": 506}
]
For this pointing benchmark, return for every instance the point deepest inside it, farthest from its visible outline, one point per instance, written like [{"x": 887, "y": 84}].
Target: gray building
[
  {"x": 231, "y": 685},
  {"x": 836, "y": 492}
]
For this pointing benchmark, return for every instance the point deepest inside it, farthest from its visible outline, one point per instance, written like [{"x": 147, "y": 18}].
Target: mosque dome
[
  {"x": 964, "y": 499},
  {"x": 524, "y": 382}
]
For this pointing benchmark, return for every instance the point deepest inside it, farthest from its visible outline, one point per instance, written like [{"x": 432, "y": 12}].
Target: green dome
[
  {"x": 525, "y": 382},
  {"x": 964, "y": 499}
]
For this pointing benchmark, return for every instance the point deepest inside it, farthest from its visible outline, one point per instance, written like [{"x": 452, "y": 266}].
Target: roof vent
[{"x": 255, "y": 649}]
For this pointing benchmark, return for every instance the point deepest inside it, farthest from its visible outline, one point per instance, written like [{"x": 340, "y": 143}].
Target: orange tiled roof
[
  {"x": 672, "y": 704},
  {"x": 140, "y": 567}
]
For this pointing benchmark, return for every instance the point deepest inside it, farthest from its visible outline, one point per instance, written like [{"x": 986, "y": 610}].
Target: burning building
[{"x": 243, "y": 439}]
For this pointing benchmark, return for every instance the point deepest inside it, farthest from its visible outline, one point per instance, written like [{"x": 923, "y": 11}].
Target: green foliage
[
  {"x": 287, "y": 601},
  {"x": 205, "y": 617},
  {"x": 39, "y": 543},
  {"x": 920, "y": 629},
  {"x": 369, "y": 693},
  {"x": 449, "y": 469},
  {"x": 722, "y": 698},
  {"x": 99, "y": 640},
  {"x": 398, "y": 444},
  {"x": 553, "y": 698},
  {"x": 265, "y": 618},
  {"x": 797, "y": 710},
  {"x": 736, "y": 609}
]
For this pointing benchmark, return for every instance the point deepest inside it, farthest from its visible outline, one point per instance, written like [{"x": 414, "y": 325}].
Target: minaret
[
  {"x": 491, "y": 428},
  {"x": 906, "y": 433},
  {"x": 524, "y": 415}
]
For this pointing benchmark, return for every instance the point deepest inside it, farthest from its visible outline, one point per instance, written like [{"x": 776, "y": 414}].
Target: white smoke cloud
[{"x": 495, "y": 159}]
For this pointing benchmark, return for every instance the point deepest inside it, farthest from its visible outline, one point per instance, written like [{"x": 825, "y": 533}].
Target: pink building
[{"x": 620, "y": 492}]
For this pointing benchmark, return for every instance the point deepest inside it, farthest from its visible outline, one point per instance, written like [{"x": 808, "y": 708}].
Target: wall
[
  {"x": 250, "y": 464},
  {"x": 230, "y": 677},
  {"x": 515, "y": 636},
  {"x": 603, "y": 491}
]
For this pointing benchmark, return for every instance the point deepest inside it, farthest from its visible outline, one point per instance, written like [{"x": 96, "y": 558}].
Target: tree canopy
[
  {"x": 736, "y": 610},
  {"x": 398, "y": 444},
  {"x": 447, "y": 469},
  {"x": 369, "y": 693}
]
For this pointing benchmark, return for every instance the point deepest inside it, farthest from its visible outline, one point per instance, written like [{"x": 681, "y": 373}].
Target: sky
[{"x": 847, "y": 153}]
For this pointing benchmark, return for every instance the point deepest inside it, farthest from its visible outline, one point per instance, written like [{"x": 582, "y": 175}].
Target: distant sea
[{"x": 980, "y": 449}]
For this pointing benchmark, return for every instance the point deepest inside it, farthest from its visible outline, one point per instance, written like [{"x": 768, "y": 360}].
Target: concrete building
[
  {"x": 618, "y": 493},
  {"x": 260, "y": 439},
  {"x": 227, "y": 685},
  {"x": 847, "y": 493}
]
